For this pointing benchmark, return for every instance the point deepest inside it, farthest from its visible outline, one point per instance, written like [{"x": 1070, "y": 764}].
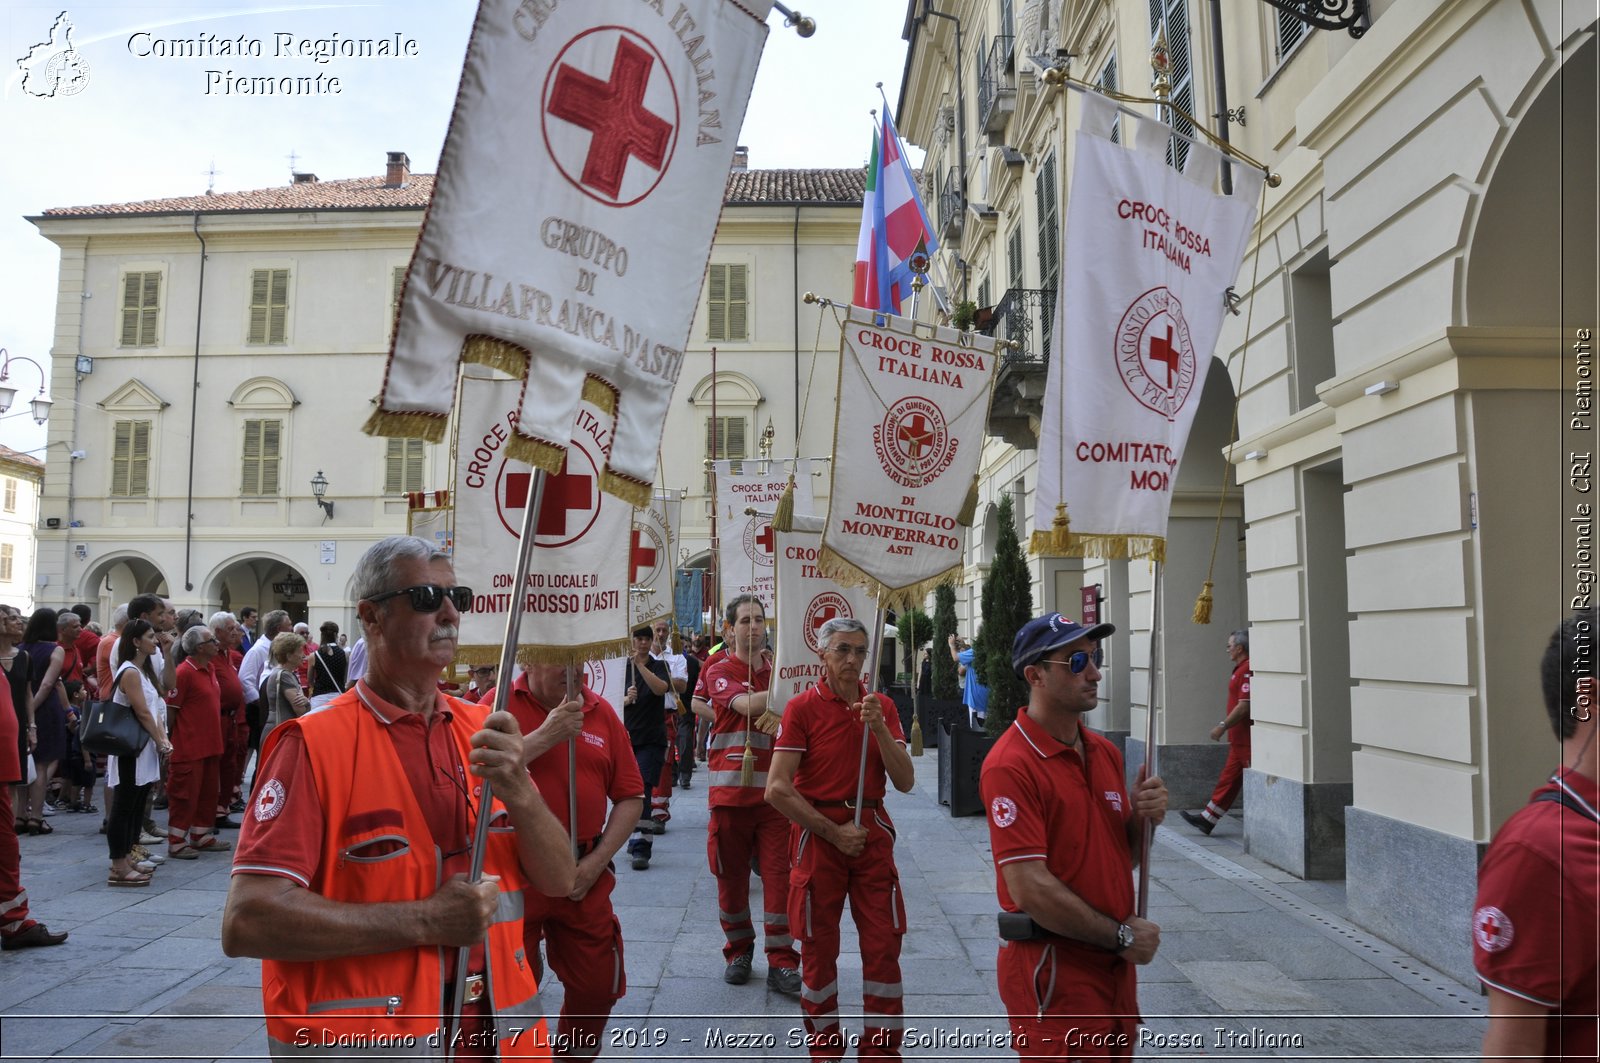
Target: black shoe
[
  {"x": 36, "y": 936},
  {"x": 683, "y": 783},
  {"x": 738, "y": 972},
  {"x": 1197, "y": 821},
  {"x": 236, "y": 807},
  {"x": 658, "y": 826},
  {"x": 225, "y": 823},
  {"x": 641, "y": 860},
  {"x": 785, "y": 980}
]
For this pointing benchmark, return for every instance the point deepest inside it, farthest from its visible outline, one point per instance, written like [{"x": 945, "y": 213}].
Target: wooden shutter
[
  {"x": 130, "y": 459},
  {"x": 260, "y": 281},
  {"x": 6, "y": 559},
  {"x": 394, "y": 467},
  {"x": 11, "y": 495},
  {"x": 278, "y": 318},
  {"x": 121, "y": 456},
  {"x": 738, "y": 302},
  {"x": 269, "y": 306},
  {"x": 717, "y": 303},
  {"x": 250, "y": 477},
  {"x": 263, "y": 441},
  {"x": 271, "y": 441},
  {"x": 131, "y": 287},
  {"x": 141, "y": 301}
]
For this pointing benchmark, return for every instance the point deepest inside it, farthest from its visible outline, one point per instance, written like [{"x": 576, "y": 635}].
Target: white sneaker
[
  {"x": 146, "y": 838},
  {"x": 141, "y": 853}
]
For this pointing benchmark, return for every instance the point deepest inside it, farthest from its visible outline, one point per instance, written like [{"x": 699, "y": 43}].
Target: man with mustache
[{"x": 350, "y": 879}]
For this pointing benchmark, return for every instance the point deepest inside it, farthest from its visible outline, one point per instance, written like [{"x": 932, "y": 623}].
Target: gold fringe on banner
[
  {"x": 1055, "y": 541},
  {"x": 768, "y": 721},
  {"x": 783, "y": 514},
  {"x": 634, "y": 492},
  {"x": 540, "y": 453},
  {"x": 415, "y": 424},
  {"x": 509, "y": 358},
  {"x": 847, "y": 574},
  {"x": 969, "y": 508},
  {"x": 598, "y": 393},
  {"x": 576, "y": 656},
  {"x": 1202, "y": 605}
]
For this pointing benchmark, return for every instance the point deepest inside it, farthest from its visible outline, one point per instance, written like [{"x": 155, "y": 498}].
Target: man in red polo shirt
[
  {"x": 1536, "y": 925},
  {"x": 732, "y": 694},
  {"x": 1065, "y": 839},
  {"x": 1236, "y": 725},
  {"x": 814, "y": 780},
  {"x": 582, "y": 935}
]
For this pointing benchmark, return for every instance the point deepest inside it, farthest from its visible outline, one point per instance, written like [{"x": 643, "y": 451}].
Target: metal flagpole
[
  {"x": 866, "y": 732},
  {"x": 502, "y": 697},
  {"x": 1148, "y": 829}
]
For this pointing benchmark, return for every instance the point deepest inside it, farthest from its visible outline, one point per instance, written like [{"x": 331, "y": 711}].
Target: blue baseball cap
[{"x": 1050, "y": 632}]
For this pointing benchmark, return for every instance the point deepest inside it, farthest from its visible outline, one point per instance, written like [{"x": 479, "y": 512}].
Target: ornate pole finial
[{"x": 1161, "y": 64}]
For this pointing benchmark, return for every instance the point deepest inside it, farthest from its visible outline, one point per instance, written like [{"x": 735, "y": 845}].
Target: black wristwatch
[{"x": 1124, "y": 937}]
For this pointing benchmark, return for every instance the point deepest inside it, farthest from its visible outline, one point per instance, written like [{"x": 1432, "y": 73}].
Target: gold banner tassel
[
  {"x": 747, "y": 767},
  {"x": 916, "y": 737},
  {"x": 783, "y": 515},
  {"x": 1202, "y": 605}
]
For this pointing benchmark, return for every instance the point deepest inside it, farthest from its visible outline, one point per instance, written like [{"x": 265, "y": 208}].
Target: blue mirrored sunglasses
[{"x": 1078, "y": 661}]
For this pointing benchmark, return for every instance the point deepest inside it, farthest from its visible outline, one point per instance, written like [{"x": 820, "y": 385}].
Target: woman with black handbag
[{"x": 136, "y": 686}]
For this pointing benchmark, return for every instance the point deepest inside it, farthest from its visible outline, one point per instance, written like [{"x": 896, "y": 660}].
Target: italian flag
[{"x": 894, "y": 226}]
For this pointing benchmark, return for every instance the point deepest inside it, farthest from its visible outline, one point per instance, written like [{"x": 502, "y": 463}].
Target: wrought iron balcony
[
  {"x": 952, "y": 206},
  {"x": 997, "y": 94},
  {"x": 1024, "y": 317}
]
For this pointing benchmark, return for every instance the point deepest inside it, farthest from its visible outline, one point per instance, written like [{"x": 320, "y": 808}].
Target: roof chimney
[
  {"x": 741, "y": 158},
  {"x": 399, "y": 170},
  {"x": 305, "y": 179}
]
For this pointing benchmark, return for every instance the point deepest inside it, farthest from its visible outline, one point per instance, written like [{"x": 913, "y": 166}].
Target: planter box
[{"x": 961, "y": 753}]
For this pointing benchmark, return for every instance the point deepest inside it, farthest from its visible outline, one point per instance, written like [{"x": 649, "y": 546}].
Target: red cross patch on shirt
[{"x": 1492, "y": 929}]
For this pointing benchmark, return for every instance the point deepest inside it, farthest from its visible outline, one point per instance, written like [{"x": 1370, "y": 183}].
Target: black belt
[
  {"x": 870, "y": 802},
  {"x": 585, "y": 848}
]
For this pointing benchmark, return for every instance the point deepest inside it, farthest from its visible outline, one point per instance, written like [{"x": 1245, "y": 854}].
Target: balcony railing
[
  {"x": 1025, "y": 316},
  {"x": 952, "y": 205},
  {"x": 996, "y": 91}
]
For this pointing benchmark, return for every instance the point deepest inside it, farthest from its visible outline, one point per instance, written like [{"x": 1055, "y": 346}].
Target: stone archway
[
  {"x": 264, "y": 582},
  {"x": 115, "y": 579}
]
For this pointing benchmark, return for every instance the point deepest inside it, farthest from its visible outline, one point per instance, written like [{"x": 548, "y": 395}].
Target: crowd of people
[{"x": 359, "y": 882}]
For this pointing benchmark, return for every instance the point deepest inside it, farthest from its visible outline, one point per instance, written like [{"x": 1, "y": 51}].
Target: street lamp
[
  {"x": 41, "y": 401},
  {"x": 319, "y": 487}
]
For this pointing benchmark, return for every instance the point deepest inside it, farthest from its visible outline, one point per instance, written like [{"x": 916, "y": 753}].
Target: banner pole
[
  {"x": 1148, "y": 829},
  {"x": 502, "y": 697},
  {"x": 866, "y": 732},
  {"x": 572, "y": 770}
]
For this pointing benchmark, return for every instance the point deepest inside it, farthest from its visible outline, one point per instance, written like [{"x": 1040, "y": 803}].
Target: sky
[{"x": 148, "y": 125}]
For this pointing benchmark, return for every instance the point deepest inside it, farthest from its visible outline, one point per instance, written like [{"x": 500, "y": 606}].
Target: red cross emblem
[
  {"x": 1492, "y": 929},
  {"x": 641, "y": 555},
  {"x": 764, "y": 540},
  {"x": 822, "y": 616},
  {"x": 570, "y": 505},
  {"x": 1162, "y": 350},
  {"x": 915, "y": 433},
  {"x": 611, "y": 84}
]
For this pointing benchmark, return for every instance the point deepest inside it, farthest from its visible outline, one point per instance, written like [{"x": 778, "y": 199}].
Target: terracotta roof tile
[
  {"x": 745, "y": 187},
  {"x": 19, "y": 458}
]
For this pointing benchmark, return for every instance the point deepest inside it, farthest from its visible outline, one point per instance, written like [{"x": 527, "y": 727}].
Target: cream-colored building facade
[
  {"x": 1410, "y": 363},
  {"x": 222, "y": 352},
  {"x": 21, "y": 476}
]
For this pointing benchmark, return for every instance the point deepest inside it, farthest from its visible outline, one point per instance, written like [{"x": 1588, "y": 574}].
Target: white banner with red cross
[
  {"x": 748, "y": 549},
  {"x": 806, "y": 600},
  {"x": 575, "y": 603},
  {"x": 1149, "y": 252},
  {"x": 572, "y": 216},
  {"x": 913, "y": 407},
  {"x": 650, "y": 554},
  {"x": 608, "y": 678}
]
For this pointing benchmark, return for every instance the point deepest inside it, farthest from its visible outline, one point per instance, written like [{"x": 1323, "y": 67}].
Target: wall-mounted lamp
[
  {"x": 319, "y": 487},
  {"x": 1382, "y": 387},
  {"x": 41, "y": 401},
  {"x": 1254, "y": 455}
]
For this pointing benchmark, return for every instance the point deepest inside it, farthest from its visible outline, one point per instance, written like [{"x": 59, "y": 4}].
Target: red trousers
[
  {"x": 821, "y": 879},
  {"x": 737, "y": 832},
  {"x": 192, "y": 787},
  {"x": 235, "y": 752},
  {"x": 1067, "y": 1003},
  {"x": 1229, "y": 783},
  {"x": 13, "y": 898},
  {"x": 584, "y": 947}
]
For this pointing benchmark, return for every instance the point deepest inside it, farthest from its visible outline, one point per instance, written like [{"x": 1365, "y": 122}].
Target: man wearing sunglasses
[
  {"x": 1065, "y": 838},
  {"x": 350, "y": 879}
]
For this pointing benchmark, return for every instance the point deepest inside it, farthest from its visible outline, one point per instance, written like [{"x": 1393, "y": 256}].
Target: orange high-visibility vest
[{"x": 376, "y": 848}]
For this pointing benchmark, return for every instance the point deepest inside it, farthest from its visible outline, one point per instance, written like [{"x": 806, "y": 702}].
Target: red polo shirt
[
  {"x": 606, "y": 765},
  {"x": 1536, "y": 924},
  {"x": 818, "y": 723},
  {"x": 719, "y": 684},
  {"x": 1239, "y": 690},
  {"x": 197, "y": 713}
]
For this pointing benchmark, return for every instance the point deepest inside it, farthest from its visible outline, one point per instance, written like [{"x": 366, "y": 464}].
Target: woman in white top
[{"x": 136, "y": 686}]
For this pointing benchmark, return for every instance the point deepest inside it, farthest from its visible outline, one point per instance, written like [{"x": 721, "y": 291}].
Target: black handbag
[{"x": 112, "y": 730}]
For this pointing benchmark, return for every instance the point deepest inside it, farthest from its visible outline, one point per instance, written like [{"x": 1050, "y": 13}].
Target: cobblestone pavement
[{"x": 1254, "y": 963}]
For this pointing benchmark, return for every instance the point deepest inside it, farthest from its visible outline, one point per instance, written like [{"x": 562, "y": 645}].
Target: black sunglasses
[
  {"x": 1078, "y": 661},
  {"x": 429, "y": 597}
]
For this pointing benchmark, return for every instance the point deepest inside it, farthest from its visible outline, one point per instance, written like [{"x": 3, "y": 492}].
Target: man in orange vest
[{"x": 361, "y": 811}]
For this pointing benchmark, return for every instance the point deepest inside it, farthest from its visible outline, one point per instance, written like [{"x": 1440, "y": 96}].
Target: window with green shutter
[
  {"x": 262, "y": 440},
  {"x": 11, "y": 495},
  {"x": 725, "y": 438},
  {"x": 141, "y": 305},
  {"x": 130, "y": 459},
  {"x": 727, "y": 302},
  {"x": 404, "y": 461},
  {"x": 1046, "y": 199},
  {"x": 7, "y": 560},
  {"x": 269, "y": 306}
]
